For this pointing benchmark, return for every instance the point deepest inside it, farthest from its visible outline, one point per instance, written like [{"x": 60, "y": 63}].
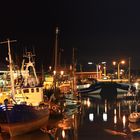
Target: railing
[{"x": 114, "y": 80}]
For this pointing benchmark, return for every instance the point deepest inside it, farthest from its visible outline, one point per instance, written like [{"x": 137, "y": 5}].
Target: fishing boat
[
  {"x": 108, "y": 90},
  {"x": 21, "y": 119},
  {"x": 23, "y": 112}
]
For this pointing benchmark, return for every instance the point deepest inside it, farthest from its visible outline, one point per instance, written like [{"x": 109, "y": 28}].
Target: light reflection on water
[
  {"x": 113, "y": 118},
  {"x": 94, "y": 119}
]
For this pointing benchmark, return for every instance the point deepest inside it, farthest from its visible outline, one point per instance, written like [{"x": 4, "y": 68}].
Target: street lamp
[
  {"x": 54, "y": 72},
  {"x": 121, "y": 62},
  {"x": 61, "y": 72},
  {"x": 90, "y": 63}
]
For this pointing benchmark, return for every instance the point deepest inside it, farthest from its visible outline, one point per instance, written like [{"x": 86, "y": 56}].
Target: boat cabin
[{"x": 29, "y": 95}]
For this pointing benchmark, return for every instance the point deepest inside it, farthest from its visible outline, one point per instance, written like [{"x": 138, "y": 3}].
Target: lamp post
[
  {"x": 121, "y": 62},
  {"x": 104, "y": 63}
]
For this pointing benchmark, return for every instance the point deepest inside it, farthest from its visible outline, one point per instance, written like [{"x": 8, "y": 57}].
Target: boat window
[
  {"x": 37, "y": 89},
  {"x": 26, "y": 90},
  {"x": 32, "y": 90}
]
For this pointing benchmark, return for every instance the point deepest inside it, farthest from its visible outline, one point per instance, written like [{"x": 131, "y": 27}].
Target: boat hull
[
  {"x": 21, "y": 119},
  {"x": 19, "y": 129}
]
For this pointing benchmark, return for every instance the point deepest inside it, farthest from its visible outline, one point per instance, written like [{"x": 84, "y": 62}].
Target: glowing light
[
  {"x": 114, "y": 63},
  {"x": 54, "y": 72},
  {"x": 136, "y": 85},
  {"x": 103, "y": 62},
  {"x": 115, "y": 119},
  {"x": 122, "y": 62},
  {"x": 91, "y": 117},
  {"x": 124, "y": 121},
  {"x": 88, "y": 103},
  {"x": 73, "y": 116},
  {"x": 90, "y": 63},
  {"x": 105, "y": 106},
  {"x": 85, "y": 102},
  {"x": 50, "y": 67},
  {"x": 64, "y": 104},
  {"x": 115, "y": 111},
  {"x": 61, "y": 72},
  {"x": 99, "y": 66},
  {"x": 116, "y": 73},
  {"x": 63, "y": 134},
  {"x": 86, "y": 85},
  {"x": 105, "y": 117}
]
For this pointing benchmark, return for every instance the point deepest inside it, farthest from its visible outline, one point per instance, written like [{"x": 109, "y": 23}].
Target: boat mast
[
  {"x": 10, "y": 66},
  {"x": 73, "y": 70},
  {"x": 55, "y": 59},
  {"x": 129, "y": 72},
  {"x": 56, "y": 48}
]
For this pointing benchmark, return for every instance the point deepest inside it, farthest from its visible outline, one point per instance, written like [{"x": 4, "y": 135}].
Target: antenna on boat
[{"x": 10, "y": 65}]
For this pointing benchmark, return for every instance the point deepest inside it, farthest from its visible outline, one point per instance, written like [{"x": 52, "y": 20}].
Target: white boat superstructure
[
  {"x": 30, "y": 92},
  {"x": 29, "y": 95}
]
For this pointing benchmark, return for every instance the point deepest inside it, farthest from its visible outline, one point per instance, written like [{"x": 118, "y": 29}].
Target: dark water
[{"x": 94, "y": 119}]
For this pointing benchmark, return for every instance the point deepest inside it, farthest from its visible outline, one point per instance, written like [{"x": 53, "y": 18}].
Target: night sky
[{"x": 100, "y": 30}]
